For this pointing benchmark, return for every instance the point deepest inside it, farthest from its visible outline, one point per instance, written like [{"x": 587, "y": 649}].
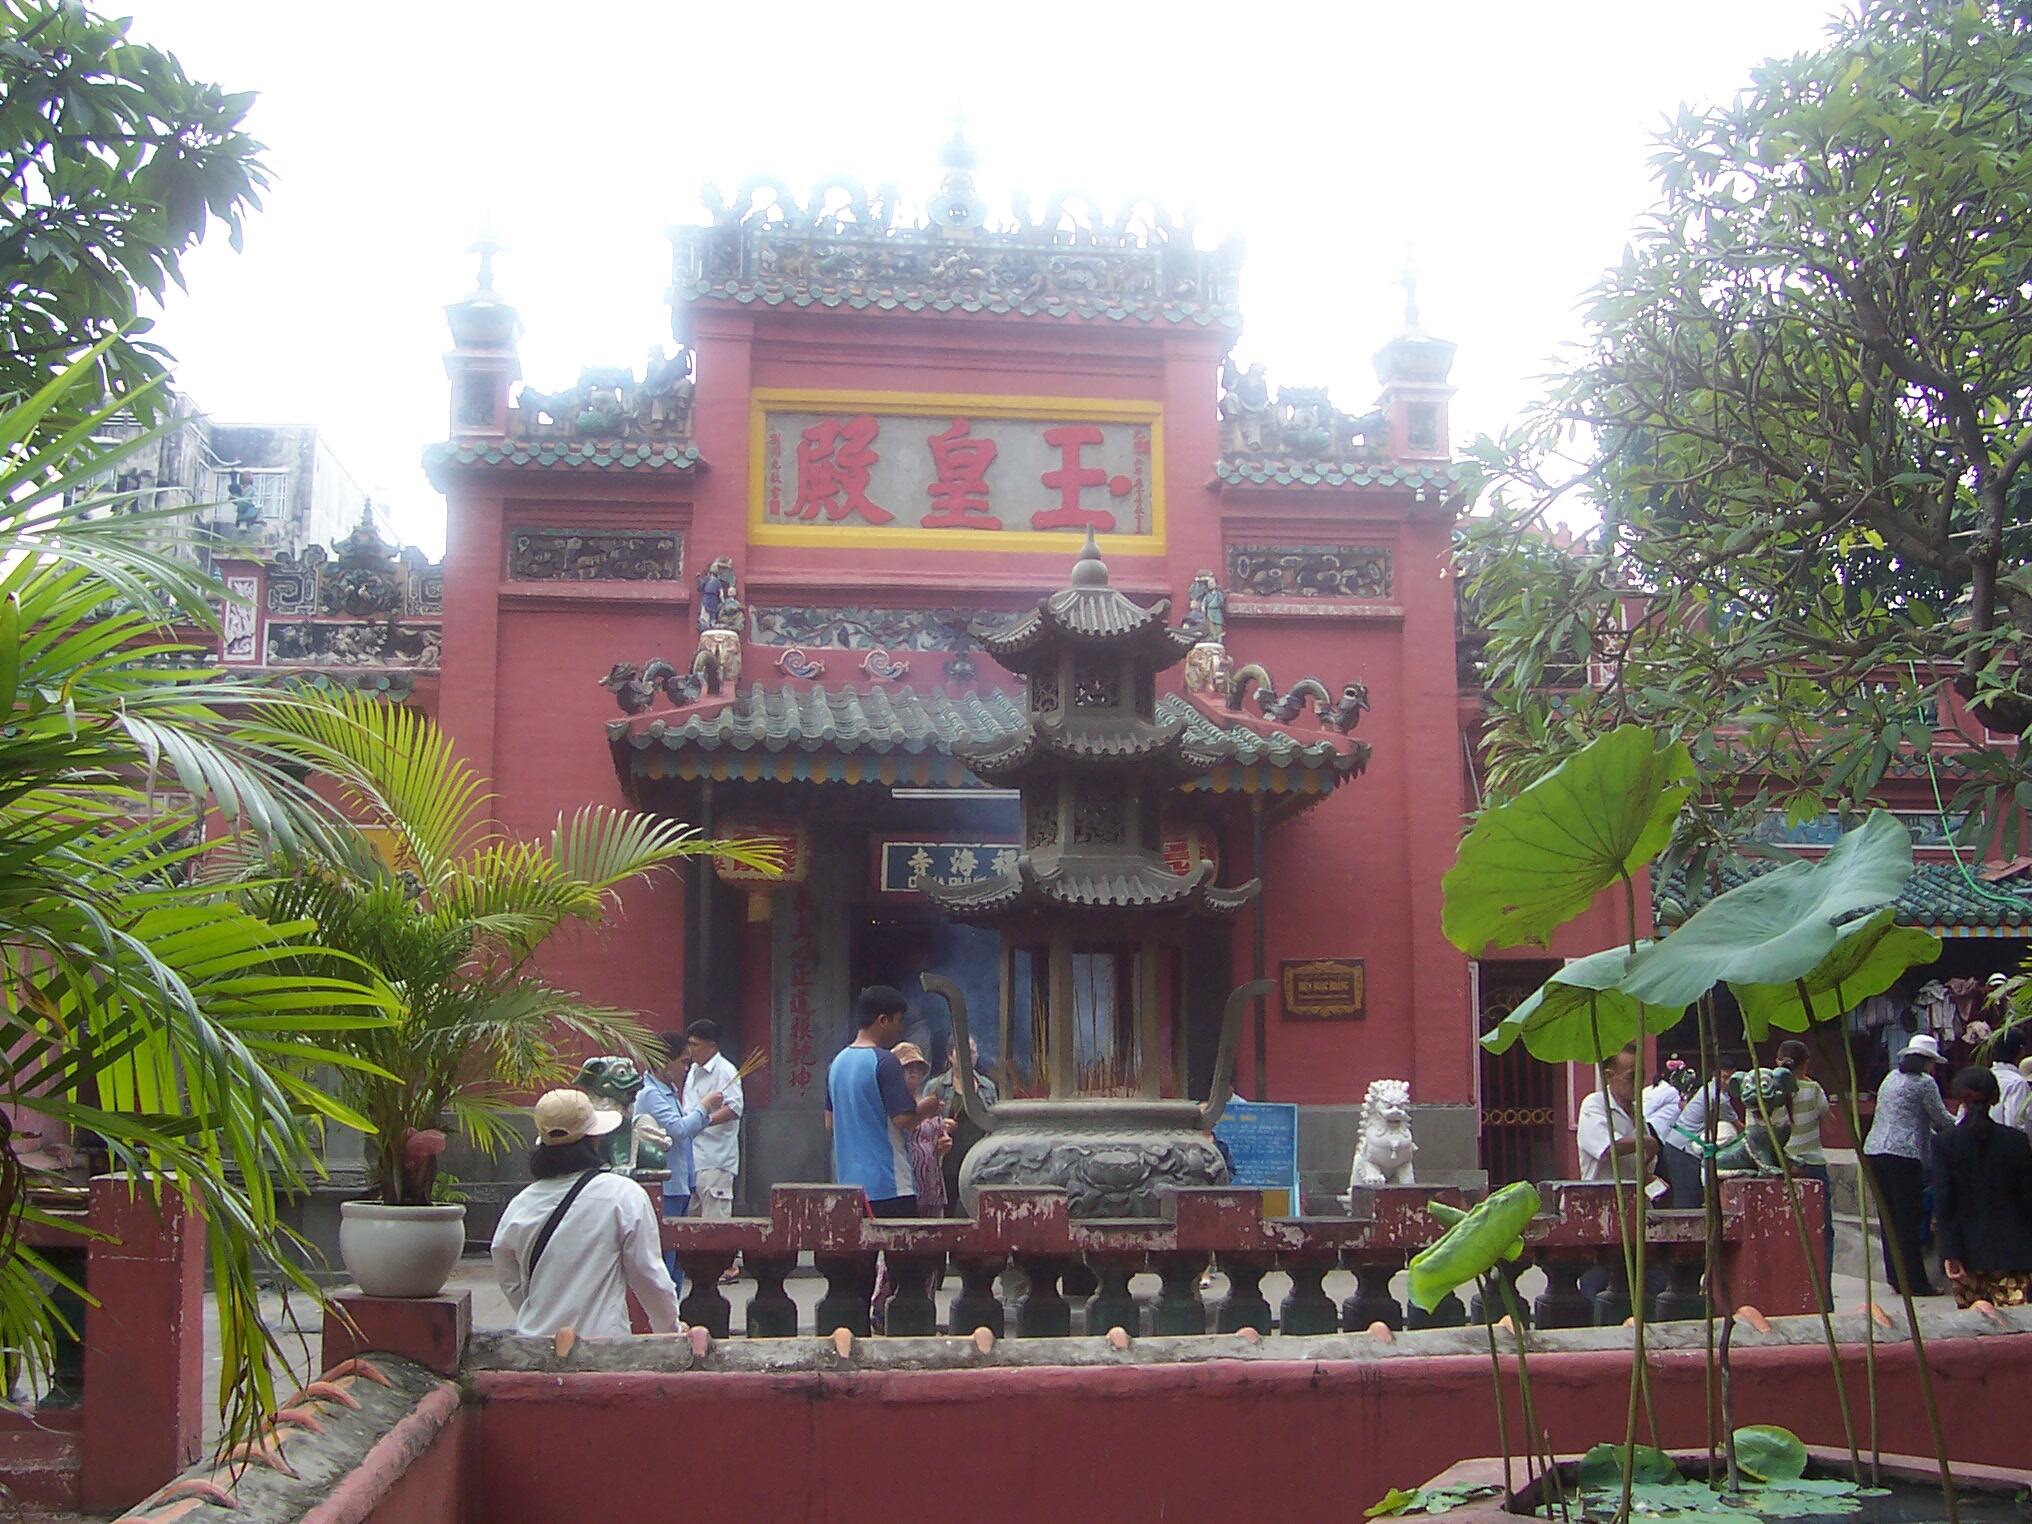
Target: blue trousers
[{"x": 675, "y": 1206}]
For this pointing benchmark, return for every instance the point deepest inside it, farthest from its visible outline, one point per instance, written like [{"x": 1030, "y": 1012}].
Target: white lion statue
[{"x": 1384, "y": 1149}]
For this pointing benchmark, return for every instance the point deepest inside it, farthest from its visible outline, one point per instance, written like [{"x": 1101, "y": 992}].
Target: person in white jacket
[{"x": 575, "y": 1241}]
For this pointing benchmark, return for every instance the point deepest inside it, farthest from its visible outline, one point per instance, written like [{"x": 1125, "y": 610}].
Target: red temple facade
[
  {"x": 739, "y": 589},
  {"x": 874, "y": 435}
]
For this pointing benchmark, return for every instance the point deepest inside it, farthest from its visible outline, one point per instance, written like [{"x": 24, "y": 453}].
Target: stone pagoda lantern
[{"x": 1093, "y": 921}]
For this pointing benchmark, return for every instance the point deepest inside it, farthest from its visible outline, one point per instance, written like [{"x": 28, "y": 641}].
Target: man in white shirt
[
  {"x": 1685, "y": 1161},
  {"x": 576, "y": 1240},
  {"x": 1598, "y": 1131},
  {"x": 716, "y": 1155},
  {"x": 2014, "y": 1103}
]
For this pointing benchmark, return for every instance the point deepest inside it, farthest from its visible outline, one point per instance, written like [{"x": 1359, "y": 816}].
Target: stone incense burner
[{"x": 1093, "y": 919}]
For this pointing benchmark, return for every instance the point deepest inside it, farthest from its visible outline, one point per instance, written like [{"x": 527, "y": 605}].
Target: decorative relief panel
[
  {"x": 354, "y": 644},
  {"x": 366, "y": 578},
  {"x": 593, "y": 555},
  {"x": 237, "y": 620},
  {"x": 1347, "y": 572},
  {"x": 1099, "y": 818},
  {"x": 840, "y": 628}
]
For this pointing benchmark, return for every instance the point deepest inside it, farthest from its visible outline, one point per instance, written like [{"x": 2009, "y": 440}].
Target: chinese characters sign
[
  {"x": 907, "y": 866},
  {"x": 966, "y": 473}
]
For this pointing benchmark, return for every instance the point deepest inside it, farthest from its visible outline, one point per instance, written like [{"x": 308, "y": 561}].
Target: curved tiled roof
[
  {"x": 562, "y": 454},
  {"x": 912, "y": 299},
  {"x": 1108, "y": 883},
  {"x": 1107, "y": 740},
  {"x": 1273, "y": 471},
  {"x": 1937, "y": 894},
  {"x": 1088, "y": 613},
  {"x": 829, "y": 733}
]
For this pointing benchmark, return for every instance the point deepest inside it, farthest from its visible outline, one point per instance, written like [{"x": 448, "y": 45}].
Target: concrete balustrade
[{"x": 1063, "y": 1261}]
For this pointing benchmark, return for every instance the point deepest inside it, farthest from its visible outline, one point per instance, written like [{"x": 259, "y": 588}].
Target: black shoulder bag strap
[{"x": 556, "y": 1216}]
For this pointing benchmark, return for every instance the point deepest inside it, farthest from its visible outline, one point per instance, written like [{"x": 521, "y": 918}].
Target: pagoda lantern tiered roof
[{"x": 1093, "y": 761}]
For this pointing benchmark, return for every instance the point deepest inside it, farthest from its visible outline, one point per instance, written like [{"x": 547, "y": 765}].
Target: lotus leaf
[
  {"x": 1868, "y": 957},
  {"x": 1471, "y": 1247},
  {"x": 1449, "y": 1215},
  {"x": 1603, "y": 1466},
  {"x": 1579, "y": 1015},
  {"x": 1770, "y": 1453},
  {"x": 1776, "y": 928},
  {"x": 1535, "y": 862},
  {"x": 1426, "y": 1500}
]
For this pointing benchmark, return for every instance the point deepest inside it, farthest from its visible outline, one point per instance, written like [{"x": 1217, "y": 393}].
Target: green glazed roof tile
[{"x": 1937, "y": 894}]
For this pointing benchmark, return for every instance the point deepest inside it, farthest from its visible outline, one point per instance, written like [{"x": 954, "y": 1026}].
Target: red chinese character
[
  {"x": 1071, "y": 478},
  {"x": 959, "y": 496},
  {"x": 833, "y": 460}
]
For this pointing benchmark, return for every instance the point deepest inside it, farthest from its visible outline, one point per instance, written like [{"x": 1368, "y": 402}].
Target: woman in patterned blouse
[{"x": 1909, "y": 1114}]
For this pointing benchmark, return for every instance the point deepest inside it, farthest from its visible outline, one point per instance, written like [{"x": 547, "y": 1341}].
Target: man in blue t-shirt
[{"x": 870, "y": 1111}]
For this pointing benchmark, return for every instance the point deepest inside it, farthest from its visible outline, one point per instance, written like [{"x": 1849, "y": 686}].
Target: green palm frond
[{"x": 138, "y": 999}]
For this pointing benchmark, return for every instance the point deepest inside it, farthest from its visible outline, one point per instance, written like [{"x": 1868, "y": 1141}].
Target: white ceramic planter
[{"x": 400, "y": 1250}]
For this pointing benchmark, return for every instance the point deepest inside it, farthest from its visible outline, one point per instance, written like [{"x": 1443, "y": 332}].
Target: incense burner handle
[
  {"x": 1231, "y": 1039},
  {"x": 970, "y": 1095}
]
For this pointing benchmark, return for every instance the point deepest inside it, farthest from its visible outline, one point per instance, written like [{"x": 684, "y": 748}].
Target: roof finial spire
[
  {"x": 958, "y": 208},
  {"x": 1409, "y": 281},
  {"x": 486, "y": 246},
  {"x": 1090, "y": 570}
]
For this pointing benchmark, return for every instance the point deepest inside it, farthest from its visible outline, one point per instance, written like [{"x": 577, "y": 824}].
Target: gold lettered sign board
[{"x": 1324, "y": 989}]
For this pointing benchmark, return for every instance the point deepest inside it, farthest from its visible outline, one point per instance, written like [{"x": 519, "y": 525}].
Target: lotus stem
[
  {"x": 1817, "y": 1273},
  {"x": 1496, "y": 1377},
  {"x": 1925, "y": 1372},
  {"x": 1524, "y": 1398},
  {"x": 1711, "y": 1205},
  {"x": 1710, "y": 1252},
  {"x": 1869, "y": 1299},
  {"x": 1623, "y": 1235}
]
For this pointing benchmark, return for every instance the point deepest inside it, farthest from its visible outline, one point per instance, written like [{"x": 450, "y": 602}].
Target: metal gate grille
[{"x": 1520, "y": 1095}]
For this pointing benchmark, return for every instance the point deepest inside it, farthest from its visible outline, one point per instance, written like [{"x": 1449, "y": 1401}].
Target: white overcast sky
[{"x": 1507, "y": 142}]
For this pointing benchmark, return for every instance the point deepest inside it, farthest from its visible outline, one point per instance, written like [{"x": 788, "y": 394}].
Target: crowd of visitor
[{"x": 899, "y": 1133}]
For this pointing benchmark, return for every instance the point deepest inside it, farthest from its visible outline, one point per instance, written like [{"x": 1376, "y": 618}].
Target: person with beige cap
[{"x": 578, "y": 1238}]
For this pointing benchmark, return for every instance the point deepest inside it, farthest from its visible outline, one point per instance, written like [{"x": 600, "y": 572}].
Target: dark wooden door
[{"x": 1520, "y": 1095}]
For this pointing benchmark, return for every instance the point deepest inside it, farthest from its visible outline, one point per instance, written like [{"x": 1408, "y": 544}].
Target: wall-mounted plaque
[
  {"x": 970, "y": 473},
  {"x": 1324, "y": 989}
]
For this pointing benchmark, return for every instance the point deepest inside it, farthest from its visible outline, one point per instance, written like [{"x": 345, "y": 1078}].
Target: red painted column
[
  {"x": 1441, "y": 1015},
  {"x": 144, "y": 1345},
  {"x": 471, "y": 683}
]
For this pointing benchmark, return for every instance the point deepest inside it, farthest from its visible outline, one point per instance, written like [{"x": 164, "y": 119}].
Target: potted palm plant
[{"x": 448, "y": 912}]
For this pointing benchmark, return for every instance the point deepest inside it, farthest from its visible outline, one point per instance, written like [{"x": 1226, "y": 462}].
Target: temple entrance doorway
[
  {"x": 1520, "y": 1095},
  {"x": 899, "y": 948}
]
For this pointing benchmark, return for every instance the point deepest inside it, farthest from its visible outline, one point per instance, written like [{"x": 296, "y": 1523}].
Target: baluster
[
  {"x": 1372, "y": 1301},
  {"x": 1612, "y": 1302},
  {"x": 1245, "y": 1305},
  {"x": 1112, "y": 1305},
  {"x": 977, "y": 1306},
  {"x": 771, "y": 1312},
  {"x": 1308, "y": 1310},
  {"x": 1683, "y": 1296},
  {"x": 1509, "y": 1269},
  {"x": 1179, "y": 1309},
  {"x": 1563, "y": 1304},
  {"x": 1451, "y": 1312},
  {"x": 1043, "y": 1313},
  {"x": 704, "y": 1306},
  {"x": 850, "y": 1282},
  {"x": 912, "y": 1311}
]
